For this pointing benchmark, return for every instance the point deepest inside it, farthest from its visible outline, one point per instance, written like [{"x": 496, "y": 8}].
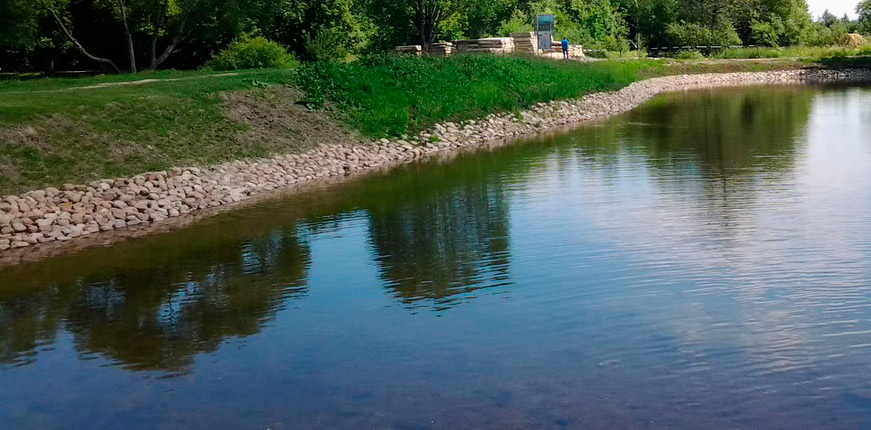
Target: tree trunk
[
  {"x": 160, "y": 7},
  {"x": 130, "y": 51},
  {"x": 179, "y": 36},
  {"x": 428, "y": 14},
  {"x": 79, "y": 46}
]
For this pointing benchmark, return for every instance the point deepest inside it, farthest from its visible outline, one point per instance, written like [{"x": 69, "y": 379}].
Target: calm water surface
[{"x": 703, "y": 262}]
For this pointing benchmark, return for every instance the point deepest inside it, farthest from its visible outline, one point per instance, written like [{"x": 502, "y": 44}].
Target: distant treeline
[{"x": 131, "y": 35}]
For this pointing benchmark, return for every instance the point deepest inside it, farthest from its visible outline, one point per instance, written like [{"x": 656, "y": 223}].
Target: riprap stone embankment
[{"x": 71, "y": 211}]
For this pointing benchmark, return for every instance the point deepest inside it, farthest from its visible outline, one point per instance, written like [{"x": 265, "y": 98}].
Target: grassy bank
[
  {"x": 62, "y": 130},
  {"x": 74, "y": 130},
  {"x": 392, "y": 95},
  {"x": 812, "y": 53}
]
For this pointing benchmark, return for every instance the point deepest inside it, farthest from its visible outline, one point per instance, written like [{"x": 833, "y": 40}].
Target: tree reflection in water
[
  {"x": 157, "y": 315},
  {"x": 437, "y": 248}
]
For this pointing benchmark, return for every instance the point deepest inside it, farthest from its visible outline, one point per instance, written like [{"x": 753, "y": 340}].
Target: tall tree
[
  {"x": 864, "y": 11},
  {"x": 295, "y": 23},
  {"x": 128, "y": 35},
  {"x": 404, "y": 21},
  {"x": 18, "y": 27},
  {"x": 57, "y": 10},
  {"x": 828, "y": 19},
  {"x": 428, "y": 16}
]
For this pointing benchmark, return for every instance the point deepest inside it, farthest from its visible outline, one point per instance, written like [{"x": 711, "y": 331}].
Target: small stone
[{"x": 44, "y": 225}]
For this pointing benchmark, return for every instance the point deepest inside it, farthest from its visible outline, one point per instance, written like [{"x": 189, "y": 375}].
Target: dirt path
[{"x": 125, "y": 83}]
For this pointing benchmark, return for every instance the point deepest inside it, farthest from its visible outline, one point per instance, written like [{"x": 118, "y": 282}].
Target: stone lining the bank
[{"x": 73, "y": 211}]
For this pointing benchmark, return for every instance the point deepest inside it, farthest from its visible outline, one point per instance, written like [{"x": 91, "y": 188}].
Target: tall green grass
[
  {"x": 393, "y": 95},
  {"x": 805, "y": 52}
]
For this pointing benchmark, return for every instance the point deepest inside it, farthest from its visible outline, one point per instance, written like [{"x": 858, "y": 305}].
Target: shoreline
[{"x": 52, "y": 221}]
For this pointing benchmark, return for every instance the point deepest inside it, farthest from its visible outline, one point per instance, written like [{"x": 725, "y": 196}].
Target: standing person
[{"x": 565, "y": 44}]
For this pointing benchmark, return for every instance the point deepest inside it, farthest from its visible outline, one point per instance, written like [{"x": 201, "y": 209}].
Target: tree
[
  {"x": 18, "y": 27},
  {"x": 404, "y": 21},
  {"x": 828, "y": 19},
  {"x": 863, "y": 9},
  {"x": 483, "y": 18},
  {"x": 428, "y": 16},
  {"x": 121, "y": 6},
  {"x": 648, "y": 20},
  {"x": 56, "y": 9},
  {"x": 301, "y": 24}
]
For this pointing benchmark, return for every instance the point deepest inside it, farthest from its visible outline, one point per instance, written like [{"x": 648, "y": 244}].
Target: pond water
[{"x": 703, "y": 262}]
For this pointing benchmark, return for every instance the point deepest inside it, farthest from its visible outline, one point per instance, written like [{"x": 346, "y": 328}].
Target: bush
[
  {"x": 820, "y": 35},
  {"x": 248, "y": 52},
  {"x": 328, "y": 45},
  {"x": 765, "y": 33},
  {"x": 689, "y": 54},
  {"x": 518, "y": 23},
  {"x": 694, "y": 35}
]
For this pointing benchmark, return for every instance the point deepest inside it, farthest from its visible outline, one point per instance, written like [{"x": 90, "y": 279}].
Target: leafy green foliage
[
  {"x": 249, "y": 52},
  {"x": 17, "y": 23},
  {"x": 864, "y": 11},
  {"x": 336, "y": 30},
  {"x": 519, "y": 22},
  {"x": 689, "y": 54},
  {"x": 694, "y": 34},
  {"x": 328, "y": 45}
]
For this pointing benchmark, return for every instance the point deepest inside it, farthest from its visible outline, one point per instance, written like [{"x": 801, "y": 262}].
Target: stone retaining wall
[{"x": 73, "y": 210}]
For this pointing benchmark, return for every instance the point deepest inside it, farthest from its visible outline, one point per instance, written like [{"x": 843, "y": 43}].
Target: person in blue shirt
[{"x": 565, "y": 44}]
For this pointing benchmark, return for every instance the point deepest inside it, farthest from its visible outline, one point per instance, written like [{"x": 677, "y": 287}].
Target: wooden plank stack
[
  {"x": 525, "y": 43},
  {"x": 441, "y": 49},
  {"x": 415, "y": 50},
  {"x": 575, "y": 51},
  {"x": 491, "y": 45}
]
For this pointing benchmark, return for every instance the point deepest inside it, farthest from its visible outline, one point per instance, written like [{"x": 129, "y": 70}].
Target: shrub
[
  {"x": 689, "y": 54},
  {"x": 328, "y": 45},
  {"x": 247, "y": 52},
  {"x": 694, "y": 34},
  {"x": 765, "y": 33},
  {"x": 518, "y": 23},
  {"x": 820, "y": 35}
]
